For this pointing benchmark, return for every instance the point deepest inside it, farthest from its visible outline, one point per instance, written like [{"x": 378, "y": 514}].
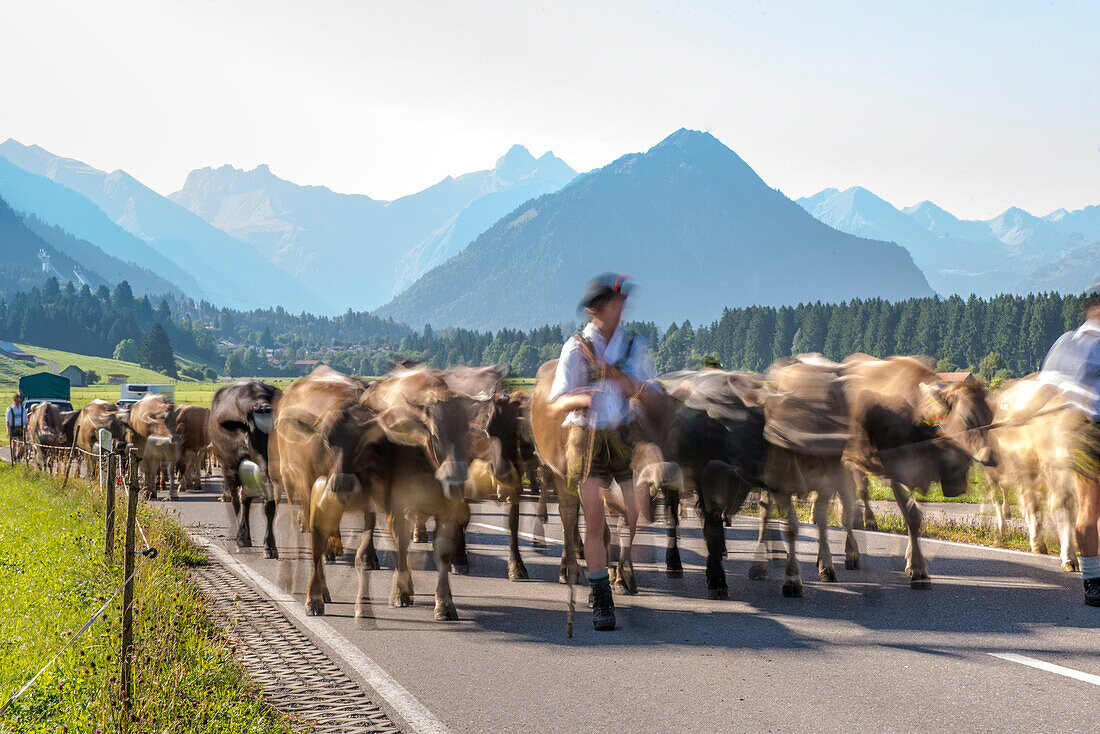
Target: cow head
[
  {"x": 959, "y": 417},
  {"x": 247, "y": 407},
  {"x": 348, "y": 432}
]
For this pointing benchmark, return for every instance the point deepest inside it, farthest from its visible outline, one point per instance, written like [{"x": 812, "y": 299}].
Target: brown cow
[
  {"x": 156, "y": 446},
  {"x": 191, "y": 423},
  {"x": 97, "y": 415},
  {"x": 399, "y": 445},
  {"x": 911, "y": 430},
  {"x": 44, "y": 434},
  {"x": 807, "y": 426}
]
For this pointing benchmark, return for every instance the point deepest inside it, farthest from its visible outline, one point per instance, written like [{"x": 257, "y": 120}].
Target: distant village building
[
  {"x": 305, "y": 366},
  {"x": 77, "y": 377},
  {"x": 9, "y": 350},
  {"x": 954, "y": 377},
  {"x": 117, "y": 379}
]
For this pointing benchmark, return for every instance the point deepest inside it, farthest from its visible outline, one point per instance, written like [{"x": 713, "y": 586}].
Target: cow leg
[
  {"x": 270, "y": 550},
  {"x": 826, "y": 571},
  {"x": 866, "y": 519},
  {"x": 363, "y": 566},
  {"x": 916, "y": 568},
  {"x": 569, "y": 509},
  {"x": 516, "y": 570},
  {"x": 1062, "y": 518},
  {"x": 420, "y": 529},
  {"x": 402, "y": 592},
  {"x": 370, "y": 554},
  {"x": 792, "y": 580},
  {"x": 335, "y": 548},
  {"x": 446, "y": 535},
  {"x": 1030, "y": 503},
  {"x": 244, "y": 527},
  {"x": 673, "y": 566},
  {"x": 542, "y": 511},
  {"x": 460, "y": 559},
  {"x": 852, "y": 559},
  {"x": 627, "y": 583},
  {"x": 149, "y": 478},
  {"x": 758, "y": 571},
  {"x": 712, "y": 487}
]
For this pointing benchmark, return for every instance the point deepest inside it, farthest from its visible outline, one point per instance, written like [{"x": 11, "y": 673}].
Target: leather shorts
[
  {"x": 1086, "y": 455},
  {"x": 603, "y": 453}
]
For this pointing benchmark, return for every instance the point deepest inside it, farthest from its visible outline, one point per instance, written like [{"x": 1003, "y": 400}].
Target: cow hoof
[
  {"x": 461, "y": 569},
  {"x": 857, "y": 523},
  {"x": 402, "y": 600},
  {"x": 721, "y": 592},
  {"x": 315, "y": 608},
  {"x": 326, "y": 596},
  {"x": 373, "y": 564},
  {"x": 827, "y": 574},
  {"x": 758, "y": 571},
  {"x": 538, "y": 545},
  {"x": 173, "y": 497},
  {"x": 793, "y": 589},
  {"x": 871, "y": 525},
  {"x": 330, "y": 558},
  {"x": 561, "y": 577},
  {"x": 591, "y": 598},
  {"x": 421, "y": 537},
  {"x": 517, "y": 572},
  {"x": 620, "y": 588},
  {"x": 271, "y": 553},
  {"x": 445, "y": 613},
  {"x": 244, "y": 542},
  {"x": 853, "y": 564},
  {"x": 920, "y": 583},
  {"x": 1070, "y": 565},
  {"x": 674, "y": 573},
  {"x": 1040, "y": 548}
]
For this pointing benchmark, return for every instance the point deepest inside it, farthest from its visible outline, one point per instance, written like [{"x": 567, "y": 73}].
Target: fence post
[
  {"x": 128, "y": 589},
  {"x": 109, "y": 531}
]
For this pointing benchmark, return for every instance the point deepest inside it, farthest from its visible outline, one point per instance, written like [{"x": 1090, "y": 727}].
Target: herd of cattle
[{"x": 424, "y": 443}]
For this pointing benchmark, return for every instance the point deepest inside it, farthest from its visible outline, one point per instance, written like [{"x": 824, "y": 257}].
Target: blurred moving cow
[
  {"x": 1036, "y": 458},
  {"x": 46, "y": 432},
  {"x": 191, "y": 428},
  {"x": 911, "y": 430},
  {"x": 238, "y": 427},
  {"x": 97, "y": 415},
  {"x": 156, "y": 446}
]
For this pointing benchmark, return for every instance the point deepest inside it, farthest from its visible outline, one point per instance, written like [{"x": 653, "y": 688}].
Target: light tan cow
[
  {"x": 1036, "y": 459},
  {"x": 157, "y": 448},
  {"x": 97, "y": 415}
]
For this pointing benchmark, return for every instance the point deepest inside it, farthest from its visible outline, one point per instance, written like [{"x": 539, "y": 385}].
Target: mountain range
[
  {"x": 221, "y": 269},
  {"x": 1013, "y": 252},
  {"x": 357, "y": 250},
  {"x": 512, "y": 245},
  {"x": 689, "y": 219}
]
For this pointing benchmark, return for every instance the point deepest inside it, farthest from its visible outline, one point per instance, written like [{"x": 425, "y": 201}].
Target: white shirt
[
  {"x": 610, "y": 406},
  {"x": 16, "y": 415},
  {"x": 1073, "y": 366}
]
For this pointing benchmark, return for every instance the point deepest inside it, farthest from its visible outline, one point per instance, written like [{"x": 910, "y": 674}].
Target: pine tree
[{"x": 155, "y": 352}]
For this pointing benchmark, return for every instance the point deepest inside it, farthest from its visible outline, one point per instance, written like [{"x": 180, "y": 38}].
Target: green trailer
[{"x": 45, "y": 386}]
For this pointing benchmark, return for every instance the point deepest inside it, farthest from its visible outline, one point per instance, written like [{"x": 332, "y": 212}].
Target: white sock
[{"x": 1090, "y": 567}]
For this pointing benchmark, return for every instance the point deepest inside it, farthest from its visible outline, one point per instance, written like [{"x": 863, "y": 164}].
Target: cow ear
[
  {"x": 933, "y": 406},
  {"x": 403, "y": 427},
  {"x": 297, "y": 419}
]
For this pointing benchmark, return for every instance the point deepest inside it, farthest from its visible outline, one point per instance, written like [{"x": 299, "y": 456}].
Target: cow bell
[{"x": 252, "y": 479}]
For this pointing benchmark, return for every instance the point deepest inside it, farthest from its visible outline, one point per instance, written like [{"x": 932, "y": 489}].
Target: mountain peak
[
  {"x": 517, "y": 160},
  {"x": 690, "y": 140}
]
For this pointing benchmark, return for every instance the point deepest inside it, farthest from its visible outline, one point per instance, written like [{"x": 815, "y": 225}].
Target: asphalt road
[{"x": 865, "y": 654}]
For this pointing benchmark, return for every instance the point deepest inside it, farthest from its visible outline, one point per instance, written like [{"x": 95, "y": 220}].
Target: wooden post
[
  {"x": 109, "y": 531},
  {"x": 128, "y": 589}
]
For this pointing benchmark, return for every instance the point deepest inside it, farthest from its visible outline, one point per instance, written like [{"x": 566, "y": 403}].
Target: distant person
[
  {"x": 16, "y": 418},
  {"x": 598, "y": 373},
  {"x": 1073, "y": 367}
]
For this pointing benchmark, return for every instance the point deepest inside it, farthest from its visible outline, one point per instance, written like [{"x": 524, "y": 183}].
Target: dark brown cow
[
  {"x": 156, "y": 446},
  {"x": 911, "y": 430},
  {"x": 191, "y": 427},
  {"x": 44, "y": 433},
  {"x": 240, "y": 420}
]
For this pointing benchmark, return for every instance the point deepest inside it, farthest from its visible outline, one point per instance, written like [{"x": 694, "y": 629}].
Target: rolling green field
[
  {"x": 102, "y": 365},
  {"x": 54, "y": 578}
]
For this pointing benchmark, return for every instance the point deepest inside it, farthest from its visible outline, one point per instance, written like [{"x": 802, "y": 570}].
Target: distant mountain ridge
[
  {"x": 358, "y": 250},
  {"x": 1014, "y": 252},
  {"x": 224, "y": 270},
  {"x": 689, "y": 219}
]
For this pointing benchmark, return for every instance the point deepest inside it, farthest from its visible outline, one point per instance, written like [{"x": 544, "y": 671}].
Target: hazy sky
[{"x": 977, "y": 106}]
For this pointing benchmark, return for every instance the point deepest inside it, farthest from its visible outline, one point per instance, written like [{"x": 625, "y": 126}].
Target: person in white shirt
[
  {"x": 16, "y": 418},
  {"x": 1072, "y": 367},
  {"x": 598, "y": 373}
]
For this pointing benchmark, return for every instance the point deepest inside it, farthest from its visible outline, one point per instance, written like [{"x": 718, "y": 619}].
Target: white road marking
[
  {"x": 527, "y": 536},
  {"x": 415, "y": 714},
  {"x": 1049, "y": 667}
]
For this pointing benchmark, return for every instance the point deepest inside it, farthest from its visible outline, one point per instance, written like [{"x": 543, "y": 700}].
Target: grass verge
[{"x": 54, "y": 577}]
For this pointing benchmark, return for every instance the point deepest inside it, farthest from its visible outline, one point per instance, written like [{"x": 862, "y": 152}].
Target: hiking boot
[
  {"x": 1092, "y": 592},
  {"x": 603, "y": 607}
]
